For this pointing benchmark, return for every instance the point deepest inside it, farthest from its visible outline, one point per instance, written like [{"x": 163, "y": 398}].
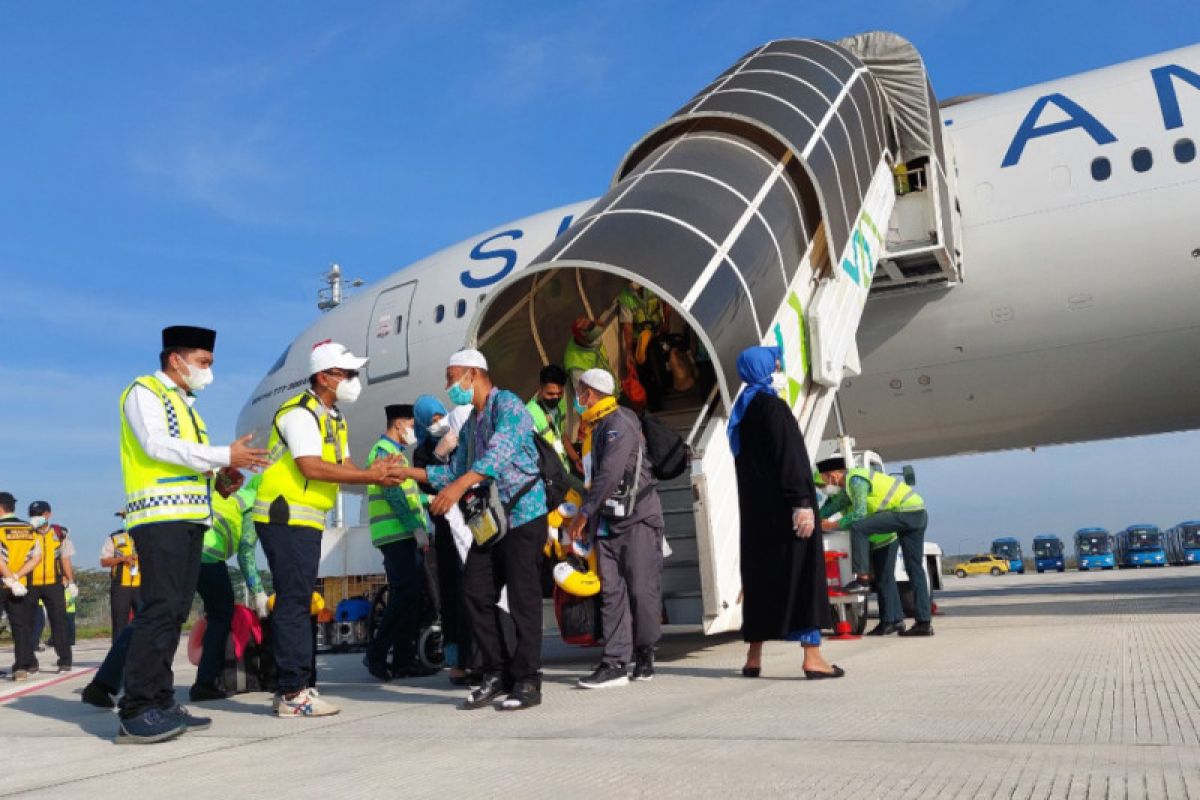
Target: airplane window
[
  {"x": 1101, "y": 169},
  {"x": 439, "y": 313},
  {"x": 1185, "y": 151},
  {"x": 460, "y": 308},
  {"x": 1142, "y": 160}
]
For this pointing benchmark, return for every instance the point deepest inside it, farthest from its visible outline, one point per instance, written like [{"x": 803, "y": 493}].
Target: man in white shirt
[{"x": 168, "y": 464}]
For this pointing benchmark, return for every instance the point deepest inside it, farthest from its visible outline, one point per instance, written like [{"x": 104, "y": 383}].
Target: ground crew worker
[
  {"x": 622, "y": 514},
  {"x": 549, "y": 411},
  {"x": 20, "y": 554},
  {"x": 310, "y": 456},
  {"x": 46, "y": 581},
  {"x": 643, "y": 332},
  {"x": 496, "y": 448},
  {"x": 168, "y": 463},
  {"x": 124, "y": 592},
  {"x": 400, "y": 529},
  {"x": 873, "y": 502},
  {"x": 232, "y": 533}
]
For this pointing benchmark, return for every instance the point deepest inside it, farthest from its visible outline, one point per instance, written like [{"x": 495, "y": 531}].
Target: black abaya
[{"x": 783, "y": 576}]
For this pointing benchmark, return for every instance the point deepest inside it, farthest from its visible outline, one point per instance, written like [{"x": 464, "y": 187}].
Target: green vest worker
[
  {"x": 874, "y": 504},
  {"x": 549, "y": 411},
  {"x": 400, "y": 529},
  {"x": 310, "y": 459},
  {"x": 232, "y": 533},
  {"x": 20, "y": 554},
  {"x": 168, "y": 465}
]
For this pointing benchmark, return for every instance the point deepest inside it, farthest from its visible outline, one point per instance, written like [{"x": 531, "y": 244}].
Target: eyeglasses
[{"x": 348, "y": 374}]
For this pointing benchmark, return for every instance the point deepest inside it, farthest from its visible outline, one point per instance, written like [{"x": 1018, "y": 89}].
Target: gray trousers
[{"x": 630, "y": 567}]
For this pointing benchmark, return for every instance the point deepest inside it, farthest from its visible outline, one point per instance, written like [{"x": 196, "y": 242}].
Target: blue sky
[{"x": 204, "y": 162}]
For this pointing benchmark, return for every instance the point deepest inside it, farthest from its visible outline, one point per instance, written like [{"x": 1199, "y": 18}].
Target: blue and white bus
[
  {"x": 1010, "y": 549},
  {"x": 1141, "y": 546},
  {"x": 1048, "y": 553},
  {"x": 1183, "y": 543},
  {"x": 1094, "y": 549}
]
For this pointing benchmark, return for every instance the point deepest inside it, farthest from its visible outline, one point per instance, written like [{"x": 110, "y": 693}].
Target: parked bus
[
  {"x": 1048, "y": 553},
  {"x": 1141, "y": 546},
  {"x": 1094, "y": 549},
  {"x": 1183, "y": 543},
  {"x": 1009, "y": 548}
]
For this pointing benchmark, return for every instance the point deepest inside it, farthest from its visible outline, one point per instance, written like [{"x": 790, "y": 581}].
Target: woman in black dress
[{"x": 783, "y": 561}]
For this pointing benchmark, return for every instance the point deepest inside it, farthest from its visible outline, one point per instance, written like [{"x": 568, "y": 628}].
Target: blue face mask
[
  {"x": 458, "y": 395},
  {"x": 580, "y": 408}
]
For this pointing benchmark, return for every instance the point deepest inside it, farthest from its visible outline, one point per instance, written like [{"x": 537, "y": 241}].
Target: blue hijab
[
  {"x": 755, "y": 367},
  {"x": 424, "y": 410}
]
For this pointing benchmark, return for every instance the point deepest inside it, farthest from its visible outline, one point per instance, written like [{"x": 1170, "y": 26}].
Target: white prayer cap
[
  {"x": 468, "y": 358},
  {"x": 599, "y": 379}
]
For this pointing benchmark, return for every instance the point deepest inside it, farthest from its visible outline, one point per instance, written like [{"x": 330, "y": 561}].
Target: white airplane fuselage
[{"x": 1076, "y": 320}]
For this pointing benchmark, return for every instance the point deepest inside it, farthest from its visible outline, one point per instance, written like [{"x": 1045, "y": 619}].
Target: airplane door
[{"x": 387, "y": 340}]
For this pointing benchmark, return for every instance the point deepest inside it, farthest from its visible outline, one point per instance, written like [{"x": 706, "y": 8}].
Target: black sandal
[
  {"x": 814, "y": 675},
  {"x": 751, "y": 672}
]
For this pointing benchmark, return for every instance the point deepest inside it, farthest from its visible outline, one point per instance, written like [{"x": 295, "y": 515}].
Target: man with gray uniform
[{"x": 623, "y": 514}]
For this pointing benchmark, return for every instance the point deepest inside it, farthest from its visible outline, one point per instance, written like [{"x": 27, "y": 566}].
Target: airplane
[{"x": 1049, "y": 296}]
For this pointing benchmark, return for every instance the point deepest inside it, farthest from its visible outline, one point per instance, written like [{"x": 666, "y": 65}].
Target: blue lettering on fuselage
[
  {"x": 1165, "y": 80},
  {"x": 506, "y": 254}
]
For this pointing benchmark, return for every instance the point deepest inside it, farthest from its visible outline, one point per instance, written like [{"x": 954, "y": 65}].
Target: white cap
[
  {"x": 329, "y": 354},
  {"x": 599, "y": 379},
  {"x": 468, "y": 358}
]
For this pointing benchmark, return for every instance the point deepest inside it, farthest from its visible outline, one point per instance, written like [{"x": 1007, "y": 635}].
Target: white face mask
[
  {"x": 830, "y": 488},
  {"x": 348, "y": 390},
  {"x": 196, "y": 378},
  {"x": 37, "y": 522},
  {"x": 408, "y": 437},
  {"x": 439, "y": 429},
  {"x": 779, "y": 383}
]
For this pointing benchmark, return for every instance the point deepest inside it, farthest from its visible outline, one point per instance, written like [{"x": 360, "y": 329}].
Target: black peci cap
[
  {"x": 38, "y": 507},
  {"x": 399, "y": 411},
  {"x": 190, "y": 337},
  {"x": 831, "y": 464}
]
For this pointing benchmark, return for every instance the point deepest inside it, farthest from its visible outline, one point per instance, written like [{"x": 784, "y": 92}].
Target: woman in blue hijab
[{"x": 784, "y": 594}]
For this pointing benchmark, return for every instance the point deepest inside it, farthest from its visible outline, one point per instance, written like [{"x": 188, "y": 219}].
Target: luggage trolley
[{"x": 850, "y": 610}]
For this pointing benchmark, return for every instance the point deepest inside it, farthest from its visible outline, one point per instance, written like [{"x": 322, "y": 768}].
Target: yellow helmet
[
  {"x": 315, "y": 607},
  {"x": 577, "y": 576}
]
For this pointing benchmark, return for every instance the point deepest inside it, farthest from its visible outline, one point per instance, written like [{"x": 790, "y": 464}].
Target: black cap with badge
[
  {"x": 38, "y": 507},
  {"x": 189, "y": 337}
]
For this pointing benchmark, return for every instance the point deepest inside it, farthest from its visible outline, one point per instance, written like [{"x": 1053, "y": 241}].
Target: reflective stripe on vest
[
  {"x": 307, "y": 502},
  {"x": 121, "y": 574},
  {"x": 222, "y": 539},
  {"x": 887, "y": 493},
  {"x": 19, "y": 540},
  {"x": 386, "y": 527},
  {"x": 156, "y": 491}
]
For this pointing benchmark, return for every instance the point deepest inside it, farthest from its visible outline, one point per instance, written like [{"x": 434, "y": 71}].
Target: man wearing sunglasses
[{"x": 310, "y": 458}]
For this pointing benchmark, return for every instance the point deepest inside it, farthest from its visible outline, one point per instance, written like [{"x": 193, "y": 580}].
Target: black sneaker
[
  {"x": 151, "y": 726},
  {"x": 524, "y": 695},
  {"x": 857, "y": 587},
  {"x": 605, "y": 676},
  {"x": 919, "y": 629},
  {"x": 489, "y": 689},
  {"x": 96, "y": 695},
  {"x": 886, "y": 629},
  {"x": 191, "y": 723},
  {"x": 643, "y": 665},
  {"x": 203, "y": 692}
]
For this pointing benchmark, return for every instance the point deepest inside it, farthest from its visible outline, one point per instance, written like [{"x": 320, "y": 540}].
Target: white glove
[
  {"x": 446, "y": 446},
  {"x": 16, "y": 587},
  {"x": 72, "y": 591},
  {"x": 260, "y": 605}
]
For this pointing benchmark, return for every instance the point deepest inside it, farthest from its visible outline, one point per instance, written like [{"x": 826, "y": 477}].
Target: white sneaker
[{"x": 306, "y": 704}]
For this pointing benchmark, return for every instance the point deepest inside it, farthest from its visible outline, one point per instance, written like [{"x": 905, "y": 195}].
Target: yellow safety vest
[
  {"x": 156, "y": 491},
  {"x": 123, "y": 575},
  {"x": 888, "y": 493},
  {"x": 286, "y": 497},
  {"x": 47, "y": 572},
  {"x": 221, "y": 540},
  {"x": 19, "y": 540}
]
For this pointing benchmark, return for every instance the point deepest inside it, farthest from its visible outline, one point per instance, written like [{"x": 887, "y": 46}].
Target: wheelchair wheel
[{"x": 431, "y": 649}]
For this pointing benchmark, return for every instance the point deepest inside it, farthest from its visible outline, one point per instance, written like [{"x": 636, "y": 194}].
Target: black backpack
[
  {"x": 665, "y": 448},
  {"x": 553, "y": 473}
]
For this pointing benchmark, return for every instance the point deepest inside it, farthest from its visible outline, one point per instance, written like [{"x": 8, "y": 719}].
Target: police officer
[
  {"x": 549, "y": 411},
  {"x": 623, "y": 514},
  {"x": 124, "y": 592},
  {"x": 46, "y": 581},
  {"x": 400, "y": 529},
  {"x": 310, "y": 456},
  {"x": 873, "y": 503},
  {"x": 168, "y": 463},
  {"x": 20, "y": 554}
]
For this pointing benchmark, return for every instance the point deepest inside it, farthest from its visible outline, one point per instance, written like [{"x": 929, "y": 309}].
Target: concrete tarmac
[{"x": 1080, "y": 685}]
